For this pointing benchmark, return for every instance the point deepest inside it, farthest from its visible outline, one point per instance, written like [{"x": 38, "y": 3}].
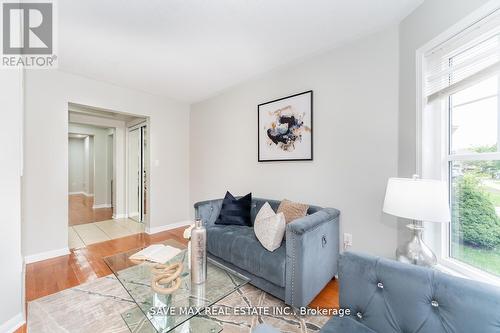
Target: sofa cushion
[
  {"x": 235, "y": 211},
  {"x": 344, "y": 325},
  {"x": 269, "y": 228},
  {"x": 239, "y": 246},
  {"x": 292, "y": 210}
]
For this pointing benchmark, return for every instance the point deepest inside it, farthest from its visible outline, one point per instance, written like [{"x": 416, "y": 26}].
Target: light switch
[{"x": 347, "y": 241}]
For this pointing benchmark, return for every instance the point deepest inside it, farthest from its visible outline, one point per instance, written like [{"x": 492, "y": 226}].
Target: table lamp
[{"x": 419, "y": 200}]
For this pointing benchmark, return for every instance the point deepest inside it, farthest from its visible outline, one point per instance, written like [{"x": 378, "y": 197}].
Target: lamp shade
[{"x": 417, "y": 199}]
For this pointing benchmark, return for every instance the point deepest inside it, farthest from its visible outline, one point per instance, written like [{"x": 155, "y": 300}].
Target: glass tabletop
[{"x": 166, "y": 312}]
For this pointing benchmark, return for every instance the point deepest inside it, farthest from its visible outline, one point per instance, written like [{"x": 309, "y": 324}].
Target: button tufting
[
  {"x": 380, "y": 285},
  {"x": 359, "y": 315},
  {"x": 435, "y": 304}
]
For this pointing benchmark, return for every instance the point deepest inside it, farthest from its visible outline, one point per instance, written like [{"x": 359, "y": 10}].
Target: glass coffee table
[{"x": 179, "y": 311}]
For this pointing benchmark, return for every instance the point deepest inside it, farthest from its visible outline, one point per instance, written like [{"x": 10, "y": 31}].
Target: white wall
[
  {"x": 45, "y": 206},
  {"x": 78, "y": 165},
  {"x": 109, "y": 165},
  {"x": 89, "y": 165},
  {"x": 424, "y": 24},
  {"x": 11, "y": 285},
  {"x": 355, "y": 138},
  {"x": 99, "y": 162},
  {"x": 86, "y": 165}
]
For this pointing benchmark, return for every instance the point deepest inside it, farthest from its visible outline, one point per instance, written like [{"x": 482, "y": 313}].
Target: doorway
[{"x": 99, "y": 191}]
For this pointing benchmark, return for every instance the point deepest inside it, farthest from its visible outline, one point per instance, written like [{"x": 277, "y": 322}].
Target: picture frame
[{"x": 285, "y": 128}]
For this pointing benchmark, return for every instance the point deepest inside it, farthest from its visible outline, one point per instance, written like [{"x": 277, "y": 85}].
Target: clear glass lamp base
[{"x": 416, "y": 251}]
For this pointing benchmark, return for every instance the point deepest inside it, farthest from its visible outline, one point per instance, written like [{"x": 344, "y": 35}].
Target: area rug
[{"x": 96, "y": 307}]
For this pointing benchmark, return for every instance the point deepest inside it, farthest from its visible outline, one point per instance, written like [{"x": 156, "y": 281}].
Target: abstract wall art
[{"x": 285, "y": 129}]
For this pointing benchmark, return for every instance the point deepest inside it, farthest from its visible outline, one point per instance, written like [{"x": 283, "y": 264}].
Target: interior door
[
  {"x": 144, "y": 173},
  {"x": 134, "y": 174}
]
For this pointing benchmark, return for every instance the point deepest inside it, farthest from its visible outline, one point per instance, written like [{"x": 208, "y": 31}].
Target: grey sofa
[
  {"x": 386, "y": 296},
  {"x": 295, "y": 272}
]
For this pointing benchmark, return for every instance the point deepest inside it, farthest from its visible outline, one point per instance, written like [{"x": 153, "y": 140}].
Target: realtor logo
[{"x": 28, "y": 34}]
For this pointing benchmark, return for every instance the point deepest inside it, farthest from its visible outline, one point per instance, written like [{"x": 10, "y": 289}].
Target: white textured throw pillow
[{"x": 269, "y": 227}]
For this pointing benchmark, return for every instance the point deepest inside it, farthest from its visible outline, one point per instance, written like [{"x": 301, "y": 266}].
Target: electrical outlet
[{"x": 347, "y": 241}]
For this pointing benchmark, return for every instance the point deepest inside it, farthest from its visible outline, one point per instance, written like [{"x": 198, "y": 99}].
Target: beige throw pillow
[
  {"x": 292, "y": 210},
  {"x": 269, "y": 227}
]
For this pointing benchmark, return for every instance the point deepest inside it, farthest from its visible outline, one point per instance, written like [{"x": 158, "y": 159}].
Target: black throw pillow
[{"x": 235, "y": 211}]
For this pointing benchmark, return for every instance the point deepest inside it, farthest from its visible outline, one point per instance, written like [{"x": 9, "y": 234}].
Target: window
[
  {"x": 461, "y": 140},
  {"x": 474, "y": 173}
]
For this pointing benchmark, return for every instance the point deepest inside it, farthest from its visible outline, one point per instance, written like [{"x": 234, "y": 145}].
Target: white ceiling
[{"x": 192, "y": 49}]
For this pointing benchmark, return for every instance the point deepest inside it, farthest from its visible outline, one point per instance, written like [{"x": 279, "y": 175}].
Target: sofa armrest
[
  {"x": 208, "y": 210},
  {"x": 310, "y": 222},
  {"x": 312, "y": 250}
]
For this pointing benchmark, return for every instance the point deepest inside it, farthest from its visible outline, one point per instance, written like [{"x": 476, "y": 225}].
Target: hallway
[{"x": 81, "y": 212}]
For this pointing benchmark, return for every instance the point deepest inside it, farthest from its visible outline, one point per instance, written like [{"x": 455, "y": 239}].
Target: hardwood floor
[
  {"x": 328, "y": 297},
  {"x": 81, "y": 212},
  {"x": 53, "y": 275},
  {"x": 22, "y": 329},
  {"x": 86, "y": 264}
]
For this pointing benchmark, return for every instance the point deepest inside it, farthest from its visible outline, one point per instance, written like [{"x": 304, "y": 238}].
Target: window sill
[{"x": 460, "y": 269}]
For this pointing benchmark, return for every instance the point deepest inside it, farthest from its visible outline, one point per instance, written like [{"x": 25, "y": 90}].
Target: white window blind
[{"x": 472, "y": 55}]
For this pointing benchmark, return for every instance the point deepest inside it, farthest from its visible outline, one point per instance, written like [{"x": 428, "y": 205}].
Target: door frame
[{"x": 144, "y": 178}]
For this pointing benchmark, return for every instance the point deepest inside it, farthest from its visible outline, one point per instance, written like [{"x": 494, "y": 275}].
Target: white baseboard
[
  {"x": 46, "y": 255},
  {"x": 13, "y": 323},
  {"x": 101, "y": 206},
  {"x": 166, "y": 227},
  {"x": 83, "y": 193},
  {"x": 119, "y": 216}
]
